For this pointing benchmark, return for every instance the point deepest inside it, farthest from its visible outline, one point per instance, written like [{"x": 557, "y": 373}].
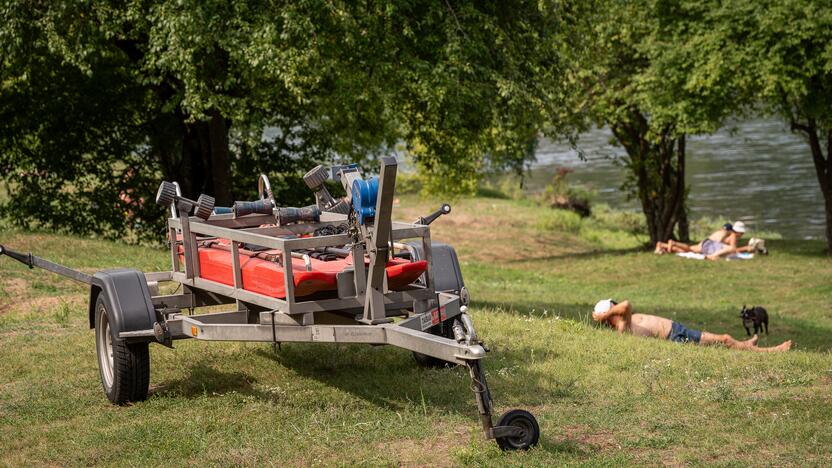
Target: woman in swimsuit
[{"x": 718, "y": 244}]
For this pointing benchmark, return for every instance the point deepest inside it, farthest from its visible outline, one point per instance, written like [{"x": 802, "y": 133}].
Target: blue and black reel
[{"x": 364, "y": 195}]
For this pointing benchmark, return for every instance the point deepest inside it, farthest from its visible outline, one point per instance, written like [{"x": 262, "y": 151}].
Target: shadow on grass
[
  {"x": 388, "y": 378},
  {"x": 205, "y": 380},
  {"x": 589, "y": 254},
  {"x": 806, "y": 335}
]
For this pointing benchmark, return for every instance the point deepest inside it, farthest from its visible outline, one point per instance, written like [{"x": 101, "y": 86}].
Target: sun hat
[
  {"x": 602, "y": 306},
  {"x": 739, "y": 227}
]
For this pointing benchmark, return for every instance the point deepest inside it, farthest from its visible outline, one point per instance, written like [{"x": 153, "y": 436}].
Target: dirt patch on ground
[
  {"x": 431, "y": 452},
  {"x": 15, "y": 287},
  {"x": 12, "y": 289},
  {"x": 42, "y": 304},
  {"x": 19, "y": 302},
  {"x": 585, "y": 439}
]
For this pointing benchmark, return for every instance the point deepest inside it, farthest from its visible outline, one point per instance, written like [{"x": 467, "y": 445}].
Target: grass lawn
[{"x": 600, "y": 398}]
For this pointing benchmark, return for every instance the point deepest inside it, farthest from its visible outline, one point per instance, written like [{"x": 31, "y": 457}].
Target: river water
[{"x": 754, "y": 170}]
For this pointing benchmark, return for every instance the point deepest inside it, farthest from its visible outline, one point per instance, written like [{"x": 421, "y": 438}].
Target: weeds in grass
[
  {"x": 62, "y": 314},
  {"x": 722, "y": 391},
  {"x": 563, "y": 388},
  {"x": 652, "y": 375},
  {"x": 559, "y": 220}
]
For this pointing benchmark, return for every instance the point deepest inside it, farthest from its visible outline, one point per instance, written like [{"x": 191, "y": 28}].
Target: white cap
[
  {"x": 602, "y": 306},
  {"x": 739, "y": 227}
]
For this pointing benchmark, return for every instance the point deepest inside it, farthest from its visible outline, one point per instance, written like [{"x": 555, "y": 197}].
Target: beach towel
[{"x": 696, "y": 256}]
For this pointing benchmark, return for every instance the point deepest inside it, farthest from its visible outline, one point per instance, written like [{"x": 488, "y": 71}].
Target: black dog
[{"x": 756, "y": 316}]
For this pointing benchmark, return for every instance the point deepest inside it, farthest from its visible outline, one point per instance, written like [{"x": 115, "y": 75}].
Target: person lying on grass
[
  {"x": 621, "y": 317},
  {"x": 720, "y": 243}
]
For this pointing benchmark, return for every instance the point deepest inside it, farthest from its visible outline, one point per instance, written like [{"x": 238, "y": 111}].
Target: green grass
[{"x": 600, "y": 398}]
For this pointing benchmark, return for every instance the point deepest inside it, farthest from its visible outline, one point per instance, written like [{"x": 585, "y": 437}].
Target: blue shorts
[
  {"x": 683, "y": 334},
  {"x": 710, "y": 247}
]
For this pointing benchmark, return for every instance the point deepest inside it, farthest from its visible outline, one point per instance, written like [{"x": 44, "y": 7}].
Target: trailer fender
[
  {"x": 447, "y": 275},
  {"x": 128, "y": 300}
]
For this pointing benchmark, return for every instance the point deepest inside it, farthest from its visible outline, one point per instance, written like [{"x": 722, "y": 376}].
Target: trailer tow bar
[{"x": 32, "y": 261}]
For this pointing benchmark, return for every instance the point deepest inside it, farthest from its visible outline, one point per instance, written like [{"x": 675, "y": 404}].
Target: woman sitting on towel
[{"x": 719, "y": 244}]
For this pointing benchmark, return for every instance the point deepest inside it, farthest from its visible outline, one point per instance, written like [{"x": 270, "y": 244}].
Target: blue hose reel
[{"x": 364, "y": 194}]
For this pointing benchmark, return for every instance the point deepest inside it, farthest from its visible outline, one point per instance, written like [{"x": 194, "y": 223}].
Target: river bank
[{"x": 754, "y": 169}]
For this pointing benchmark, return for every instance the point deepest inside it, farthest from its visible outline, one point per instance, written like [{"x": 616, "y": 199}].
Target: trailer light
[{"x": 194, "y": 331}]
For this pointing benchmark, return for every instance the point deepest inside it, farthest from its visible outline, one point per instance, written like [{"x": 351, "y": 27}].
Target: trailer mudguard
[
  {"x": 447, "y": 275},
  {"x": 128, "y": 300}
]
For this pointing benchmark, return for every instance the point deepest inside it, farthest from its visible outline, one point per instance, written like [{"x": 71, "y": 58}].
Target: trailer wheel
[
  {"x": 124, "y": 368},
  {"x": 524, "y": 420},
  {"x": 444, "y": 330}
]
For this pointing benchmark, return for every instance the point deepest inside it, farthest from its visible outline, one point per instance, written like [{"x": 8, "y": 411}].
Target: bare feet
[
  {"x": 784, "y": 346},
  {"x": 750, "y": 343}
]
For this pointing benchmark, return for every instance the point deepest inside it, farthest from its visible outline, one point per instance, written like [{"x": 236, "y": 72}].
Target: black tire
[
  {"x": 524, "y": 420},
  {"x": 444, "y": 330},
  {"x": 124, "y": 368}
]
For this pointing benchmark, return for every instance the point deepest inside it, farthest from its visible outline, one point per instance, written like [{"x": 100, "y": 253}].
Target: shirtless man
[
  {"x": 621, "y": 317},
  {"x": 720, "y": 243}
]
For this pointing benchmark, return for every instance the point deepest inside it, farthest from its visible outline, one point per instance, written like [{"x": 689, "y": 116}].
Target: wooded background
[{"x": 101, "y": 100}]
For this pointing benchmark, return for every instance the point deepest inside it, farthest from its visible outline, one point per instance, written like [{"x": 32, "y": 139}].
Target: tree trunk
[
  {"x": 823, "y": 167},
  {"x": 658, "y": 171},
  {"x": 220, "y": 159},
  {"x": 196, "y": 155},
  {"x": 683, "y": 226}
]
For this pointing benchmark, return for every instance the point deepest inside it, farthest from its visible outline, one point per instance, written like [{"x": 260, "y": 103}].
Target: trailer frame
[{"x": 128, "y": 311}]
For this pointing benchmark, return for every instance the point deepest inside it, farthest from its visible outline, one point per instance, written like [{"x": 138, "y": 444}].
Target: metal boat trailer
[{"x": 428, "y": 318}]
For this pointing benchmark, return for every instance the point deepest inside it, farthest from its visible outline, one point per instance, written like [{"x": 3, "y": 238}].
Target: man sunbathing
[
  {"x": 720, "y": 243},
  {"x": 621, "y": 317}
]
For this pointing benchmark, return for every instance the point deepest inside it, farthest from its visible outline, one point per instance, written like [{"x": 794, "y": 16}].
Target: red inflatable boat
[{"x": 262, "y": 271}]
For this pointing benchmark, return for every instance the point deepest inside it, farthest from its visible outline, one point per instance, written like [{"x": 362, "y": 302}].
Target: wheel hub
[{"x": 105, "y": 355}]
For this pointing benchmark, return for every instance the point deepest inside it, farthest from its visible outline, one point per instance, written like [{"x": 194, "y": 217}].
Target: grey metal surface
[
  {"x": 158, "y": 276},
  {"x": 203, "y": 327},
  {"x": 32, "y": 261},
  {"x": 378, "y": 242},
  {"x": 128, "y": 335},
  {"x": 62, "y": 270}
]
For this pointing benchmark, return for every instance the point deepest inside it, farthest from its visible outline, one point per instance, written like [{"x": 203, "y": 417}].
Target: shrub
[{"x": 559, "y": 220}]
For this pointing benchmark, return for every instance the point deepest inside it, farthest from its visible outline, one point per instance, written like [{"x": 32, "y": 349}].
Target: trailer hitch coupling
[{"x": 26, "y": 259}]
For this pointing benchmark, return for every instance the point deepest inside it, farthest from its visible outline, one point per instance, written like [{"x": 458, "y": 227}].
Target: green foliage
[
  {"x": 561, "y": 194},
  {"x": 623, "y": 220},
  {"x": 560, "y": 220},
  {"x": 408, "y": 183},
  {"x": 102, "y": 99},
  {"x": 627, "y": 73},
  {"x": 775, "y": 56}
]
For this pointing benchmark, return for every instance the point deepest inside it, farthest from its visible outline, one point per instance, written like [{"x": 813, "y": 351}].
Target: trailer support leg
[
  {"x": 483, "y": 396},
  {"x": 485, "y": 406}
]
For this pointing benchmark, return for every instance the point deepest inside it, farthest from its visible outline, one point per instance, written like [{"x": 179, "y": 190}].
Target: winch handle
[{"x": 426, "y": 220}]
